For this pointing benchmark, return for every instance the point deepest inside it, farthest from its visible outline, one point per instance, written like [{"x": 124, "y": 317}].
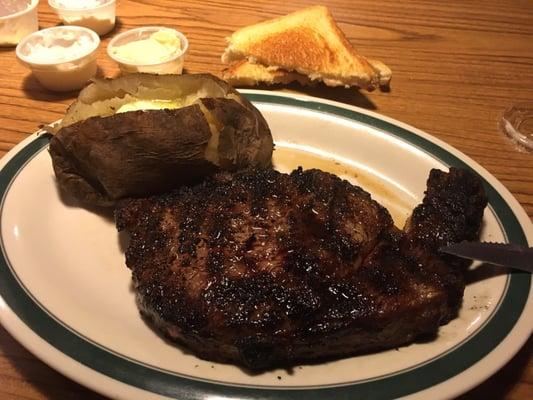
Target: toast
[
  {"x": 245, "y": 73},
  {"x": 307, "y": 42}
]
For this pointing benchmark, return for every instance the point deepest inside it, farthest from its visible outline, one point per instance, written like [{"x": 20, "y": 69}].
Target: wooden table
[{"x": 456, "y": 67}]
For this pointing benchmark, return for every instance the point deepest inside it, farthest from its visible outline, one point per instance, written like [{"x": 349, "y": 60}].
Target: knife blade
[{"x": 505, "y": 254}]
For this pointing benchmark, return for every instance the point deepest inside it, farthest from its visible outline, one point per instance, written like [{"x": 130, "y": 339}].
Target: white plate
[{"x": 65, "y": 291}]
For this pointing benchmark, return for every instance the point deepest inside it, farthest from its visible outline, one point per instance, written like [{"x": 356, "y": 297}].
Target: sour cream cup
[
  {"x": 62, "y": 58},
  {"x": 18, "y": 24},
  {"x": 171, "y": 65},
  {"x": 98, "y": 15}
]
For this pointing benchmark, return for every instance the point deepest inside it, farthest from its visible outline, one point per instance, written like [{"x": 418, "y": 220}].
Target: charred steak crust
[{"x": 262, "y": 268}]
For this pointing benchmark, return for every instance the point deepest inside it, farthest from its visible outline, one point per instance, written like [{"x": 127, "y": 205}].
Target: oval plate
[{"x": 66, "y": 295}]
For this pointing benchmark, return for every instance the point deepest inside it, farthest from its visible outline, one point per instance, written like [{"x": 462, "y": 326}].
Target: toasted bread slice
[
  {"x": 245, "y": 73},
  {"x": 384, "y": 72},
  {"x": 308, "y": 42}
]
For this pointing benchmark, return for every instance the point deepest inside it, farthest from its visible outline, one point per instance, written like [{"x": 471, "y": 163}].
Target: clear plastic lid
[
  {"x": 56, "y": 45},
  {"x": 517, "y": 123}
]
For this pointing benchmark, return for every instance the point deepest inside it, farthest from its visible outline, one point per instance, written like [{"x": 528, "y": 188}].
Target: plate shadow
[{"x": 351, "y": 96}]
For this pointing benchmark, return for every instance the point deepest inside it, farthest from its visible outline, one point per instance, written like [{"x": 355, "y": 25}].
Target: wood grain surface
[{"x": 457, "y": 65}]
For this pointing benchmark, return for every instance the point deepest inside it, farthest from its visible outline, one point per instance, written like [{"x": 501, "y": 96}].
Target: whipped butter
[
  {"x": 158, "y": 47},
  {"x": 150, "y": 49}
]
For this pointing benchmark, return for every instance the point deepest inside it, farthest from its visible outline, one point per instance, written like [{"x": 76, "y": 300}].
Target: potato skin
[
  {"x": 245, "y": 136},
  {"x": 100, "y": 160}
]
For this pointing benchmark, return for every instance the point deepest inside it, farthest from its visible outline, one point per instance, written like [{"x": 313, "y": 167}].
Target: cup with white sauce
[
  {"x": 151, "y": 49},
  {"x": 62, "y": 58},
  {"x": 98, "y": 15},
  {"x": 18, "y": 18}
]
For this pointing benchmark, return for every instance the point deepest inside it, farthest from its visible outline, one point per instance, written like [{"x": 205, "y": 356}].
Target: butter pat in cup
[
  {"x": 18, "y": 18},
  {"x": 151, "y": 49},
  {"x": 98, "y": 15},
  {"x": 62, "y": 58}
]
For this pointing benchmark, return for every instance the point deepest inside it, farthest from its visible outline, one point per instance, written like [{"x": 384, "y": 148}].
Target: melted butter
[
  {"x": 286, "y": 159},
  {"x": 149, "y": 105}
]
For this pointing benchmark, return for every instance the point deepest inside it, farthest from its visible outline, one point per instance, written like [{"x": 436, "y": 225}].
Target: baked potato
[{"x": 142, "y": 134}]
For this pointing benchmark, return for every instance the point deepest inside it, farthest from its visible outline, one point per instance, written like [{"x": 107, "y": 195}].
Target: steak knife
[{"x": 505, "y": 254}]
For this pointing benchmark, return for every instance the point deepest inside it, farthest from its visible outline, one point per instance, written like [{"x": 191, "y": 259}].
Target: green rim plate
[{"x": 156, "y": 381}]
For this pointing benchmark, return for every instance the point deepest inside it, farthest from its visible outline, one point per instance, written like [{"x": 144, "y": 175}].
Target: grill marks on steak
[{"x": 262, "y": 268}]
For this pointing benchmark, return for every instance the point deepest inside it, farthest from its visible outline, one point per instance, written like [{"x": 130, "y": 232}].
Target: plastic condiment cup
[
  {"x": 172, "y": 65},
  {"x": 13, "y": 27},
  {"x": 59, "y": 70},
  {"x": 98, "y": 15}
]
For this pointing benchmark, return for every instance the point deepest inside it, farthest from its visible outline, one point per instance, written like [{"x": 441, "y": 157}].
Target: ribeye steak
[{"x": 264, "y": 269}]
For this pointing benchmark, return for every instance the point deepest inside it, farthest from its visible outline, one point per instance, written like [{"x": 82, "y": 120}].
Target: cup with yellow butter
[{"x": 152, "y": 49}]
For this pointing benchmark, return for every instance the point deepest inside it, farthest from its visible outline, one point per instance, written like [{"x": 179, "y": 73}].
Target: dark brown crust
[
  {"x": 261, "y": 268},
  {"x": 452, "y": 211}
]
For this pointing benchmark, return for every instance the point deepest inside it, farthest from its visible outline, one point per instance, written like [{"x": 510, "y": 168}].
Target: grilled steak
[{"x": 264, "y": 269}]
